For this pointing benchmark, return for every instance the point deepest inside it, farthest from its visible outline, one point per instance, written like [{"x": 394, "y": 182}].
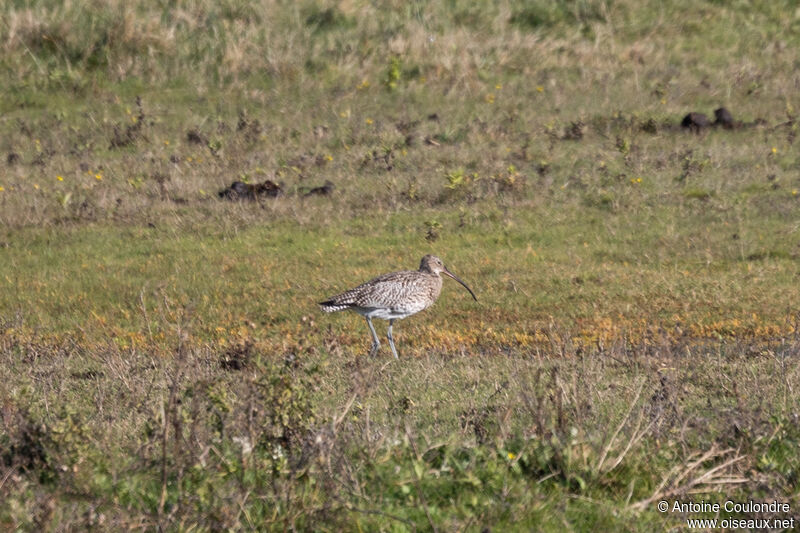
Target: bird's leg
[
  {"x": 375, "y": 342},
  {"x": 391, "y": 340}
]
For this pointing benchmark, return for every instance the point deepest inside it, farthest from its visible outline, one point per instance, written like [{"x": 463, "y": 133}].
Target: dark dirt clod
[
  {"x": 131, "y": 133},
  {"x": 650, "y": 126},
  {"x": 41, "y": 158},
  {"x": 28, "y": 442},
  {"x": 542, "y": 168},
  {"x": 251, "y": 128},
  {"x": 245, "y": 191},
  {"x": 305, "y": 160},
  {"x": 695, "y": 122},
  {"x": 323, "y": 190},
  {"x": 88, "y": 374},
  {"x": 431, "y": 235},
  {"x": 406, "y": 127},
  {"x": 223, "y": 127},
  {"x": 724, "y": 118},
  {"x": 13, "y": 158},
  {"x": 384, "y": 159},
  {"x": 243, "y": 123},
  {"x": 301, "y": 161},
  {"x": 236, "y": 357},
  {"x": 575, "y": 131},
  {"x": 195, "y": 137},
  {"x": 161, "y": 179}
]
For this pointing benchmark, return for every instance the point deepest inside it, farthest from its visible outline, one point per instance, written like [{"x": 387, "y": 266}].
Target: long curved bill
[{"x": 445, "y": 271}]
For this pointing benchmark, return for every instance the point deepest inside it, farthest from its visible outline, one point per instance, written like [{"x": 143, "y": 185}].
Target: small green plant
[
  {"x": 136, "y": 182},
  {"x": 623, "y": 145},
  {"x": 64, "y": 199},
  {"x": 412, "y": 190},
  {"x": 432, "y": 228},
  {"x": 601, "y": 199},
  {"x": 692, "y": 165},
  {"x": 696, "y": 193},
  {"x": 509, "y": 180},
  {"x": 393, "y": 74},
  {"x": 457, "y": 179}
]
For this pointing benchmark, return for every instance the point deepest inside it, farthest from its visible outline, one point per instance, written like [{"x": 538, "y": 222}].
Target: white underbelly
[{"x": 390, "y": 313}]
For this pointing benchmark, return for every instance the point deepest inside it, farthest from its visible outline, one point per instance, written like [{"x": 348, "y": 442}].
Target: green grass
[{"x": 164, "y": 362}]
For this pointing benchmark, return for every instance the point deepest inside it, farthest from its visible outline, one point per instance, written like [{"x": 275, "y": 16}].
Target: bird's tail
[{"x": 331, "y": 306}]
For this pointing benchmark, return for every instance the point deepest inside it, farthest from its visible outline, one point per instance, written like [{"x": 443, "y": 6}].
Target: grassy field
[{"x": 164, "y": 365}]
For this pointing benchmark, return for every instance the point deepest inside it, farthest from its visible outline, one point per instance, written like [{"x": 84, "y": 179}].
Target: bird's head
[{"x": 434, "y": 265}]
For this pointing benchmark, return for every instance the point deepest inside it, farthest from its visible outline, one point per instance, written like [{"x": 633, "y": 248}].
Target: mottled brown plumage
[{"x": 394, "y": 296}]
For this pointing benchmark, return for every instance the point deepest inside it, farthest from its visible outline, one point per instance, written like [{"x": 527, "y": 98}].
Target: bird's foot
[{"x": 374, "y": 350}]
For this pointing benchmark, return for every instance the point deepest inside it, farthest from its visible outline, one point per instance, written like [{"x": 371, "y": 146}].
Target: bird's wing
[{"x": 384, "y": 291}]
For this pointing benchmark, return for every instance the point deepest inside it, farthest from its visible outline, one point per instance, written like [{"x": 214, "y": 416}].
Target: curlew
[{"x": 394, "y": 296}]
